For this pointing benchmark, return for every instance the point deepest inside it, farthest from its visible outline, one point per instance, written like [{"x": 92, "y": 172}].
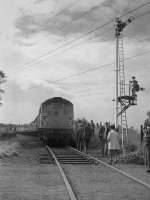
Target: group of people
[
  {"x": 109, "y": 141},
  {"x": 108, "y": 136},
  {"x": 84, "y": 134}
]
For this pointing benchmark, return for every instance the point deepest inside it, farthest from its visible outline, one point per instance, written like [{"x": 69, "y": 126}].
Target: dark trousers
[
  {"x": 147, "y": 155},
  {"x": 102, "y": 144}
]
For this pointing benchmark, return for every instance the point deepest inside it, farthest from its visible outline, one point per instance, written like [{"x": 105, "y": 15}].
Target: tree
[
  {"x": 148, "y": 113},
  {"x": 2, "y": 77},
  {"x": 2, "y": 80}
]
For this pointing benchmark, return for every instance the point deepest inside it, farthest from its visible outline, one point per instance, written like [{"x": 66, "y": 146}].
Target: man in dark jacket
[
  {"x": 93, "y": 127},
  {"x": 88, "y": 135},
  {"x": 102, "y": 138}
]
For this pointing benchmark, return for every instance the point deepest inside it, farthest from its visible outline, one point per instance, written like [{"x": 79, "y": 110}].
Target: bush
[
  {"x": 133, "y": 157},
  {"x": 130, "y": 148},
  {"x": 4, "y": 136}
]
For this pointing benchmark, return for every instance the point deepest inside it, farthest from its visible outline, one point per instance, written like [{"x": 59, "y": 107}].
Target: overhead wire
[
  {"x": 63, "y": 45},
  {"x": 86, "y": 71},
  {"x": 98, "y": 67},
  {"x": 57, "y": 13},
  {"x": 93, "y": 8},
  {"x": 96, "y": 38},
  {"x": 77, "y": 38},
  {"x": 134, "y": 9},
  {"x": 143, "y": 39},
  {"x": 105, "y": 31},
  {"x": 110, "y": 64},
  {"x": 66, "y": 49},
  {"x": 148, "y": 12},
  {"x": 63, "y": 78},
  {"x": 80, "y": 16},
  {"x": 103, "y": 66},
  {"x": 89, "y": 70},
  {"x": 135, "y": 18},
  {"x": 73, "y": 19}
]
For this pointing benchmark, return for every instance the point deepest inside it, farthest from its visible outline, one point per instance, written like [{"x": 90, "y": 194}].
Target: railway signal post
[{"x": 120, "y": 77}]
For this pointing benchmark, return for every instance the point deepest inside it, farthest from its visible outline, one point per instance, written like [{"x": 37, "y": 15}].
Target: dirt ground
[
  {"x": 138, "y": 171},
  {"x": 94, "y": 182},
  {"x": 23, "y": 177}
]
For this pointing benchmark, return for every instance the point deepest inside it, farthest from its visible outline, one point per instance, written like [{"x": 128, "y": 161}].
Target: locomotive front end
[{"x": 56, "y": 121}]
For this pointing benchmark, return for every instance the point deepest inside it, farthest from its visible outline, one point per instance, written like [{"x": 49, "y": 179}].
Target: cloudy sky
[{"x": 54, "y": 48}]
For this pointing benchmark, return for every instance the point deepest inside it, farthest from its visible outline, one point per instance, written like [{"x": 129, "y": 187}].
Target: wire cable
[
  {"x": 90, "y": 70},
  {"x": 137, "y": 8},
  {"x": 63, "y": 45},
  {"x": 74, "y": 19},
  {"x": 79, "y": 37},
  {"x": 80, "y": 16}
]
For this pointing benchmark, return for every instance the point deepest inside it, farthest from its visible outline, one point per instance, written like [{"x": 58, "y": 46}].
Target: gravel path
[{"x": 22, "y": 177}]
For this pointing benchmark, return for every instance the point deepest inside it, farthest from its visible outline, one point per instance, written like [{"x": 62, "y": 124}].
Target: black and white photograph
[{"x": 74, "y": 100}]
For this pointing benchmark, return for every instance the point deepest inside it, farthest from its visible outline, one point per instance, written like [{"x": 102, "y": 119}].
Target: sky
[{"x": 49, "y": 48}]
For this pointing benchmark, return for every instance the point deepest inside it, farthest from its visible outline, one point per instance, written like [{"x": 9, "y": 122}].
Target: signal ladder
[{"x": 122, "y": 91}]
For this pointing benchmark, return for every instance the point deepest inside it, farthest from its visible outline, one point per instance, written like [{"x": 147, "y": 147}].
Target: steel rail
[
  {"x": 65, "y": 179},
  {"x": 114, "y": 168}
]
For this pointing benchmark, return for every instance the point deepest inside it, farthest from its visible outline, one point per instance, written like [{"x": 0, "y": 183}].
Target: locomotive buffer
[{"x": 124, "y": 99}]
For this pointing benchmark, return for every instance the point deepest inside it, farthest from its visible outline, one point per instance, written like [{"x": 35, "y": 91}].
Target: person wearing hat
[{"x": 134, "y": 86}]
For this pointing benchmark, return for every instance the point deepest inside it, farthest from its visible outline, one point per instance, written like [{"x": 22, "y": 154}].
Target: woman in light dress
[{"x": 113, "y": 144}]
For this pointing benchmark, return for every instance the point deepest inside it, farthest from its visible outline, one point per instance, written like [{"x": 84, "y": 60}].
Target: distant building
[{"x": 7, "y": 129}]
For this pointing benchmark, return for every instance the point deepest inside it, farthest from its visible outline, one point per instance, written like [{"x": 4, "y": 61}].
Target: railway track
[
  {"x": 76, "y": 169},
  {"x": 111, "y": 167},
  {"x": 67, "y": 156}
]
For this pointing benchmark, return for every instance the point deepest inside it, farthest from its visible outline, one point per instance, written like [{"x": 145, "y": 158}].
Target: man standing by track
[
  {"x": 93, "y": 127},
  {"x": 145, "y": 134},
  {"x": 102, "y": 138},
  {"x": 88, "y": 134}
]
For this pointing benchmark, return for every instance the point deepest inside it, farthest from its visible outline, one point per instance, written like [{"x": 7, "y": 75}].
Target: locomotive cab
[{"x": 56, "y": 121}]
